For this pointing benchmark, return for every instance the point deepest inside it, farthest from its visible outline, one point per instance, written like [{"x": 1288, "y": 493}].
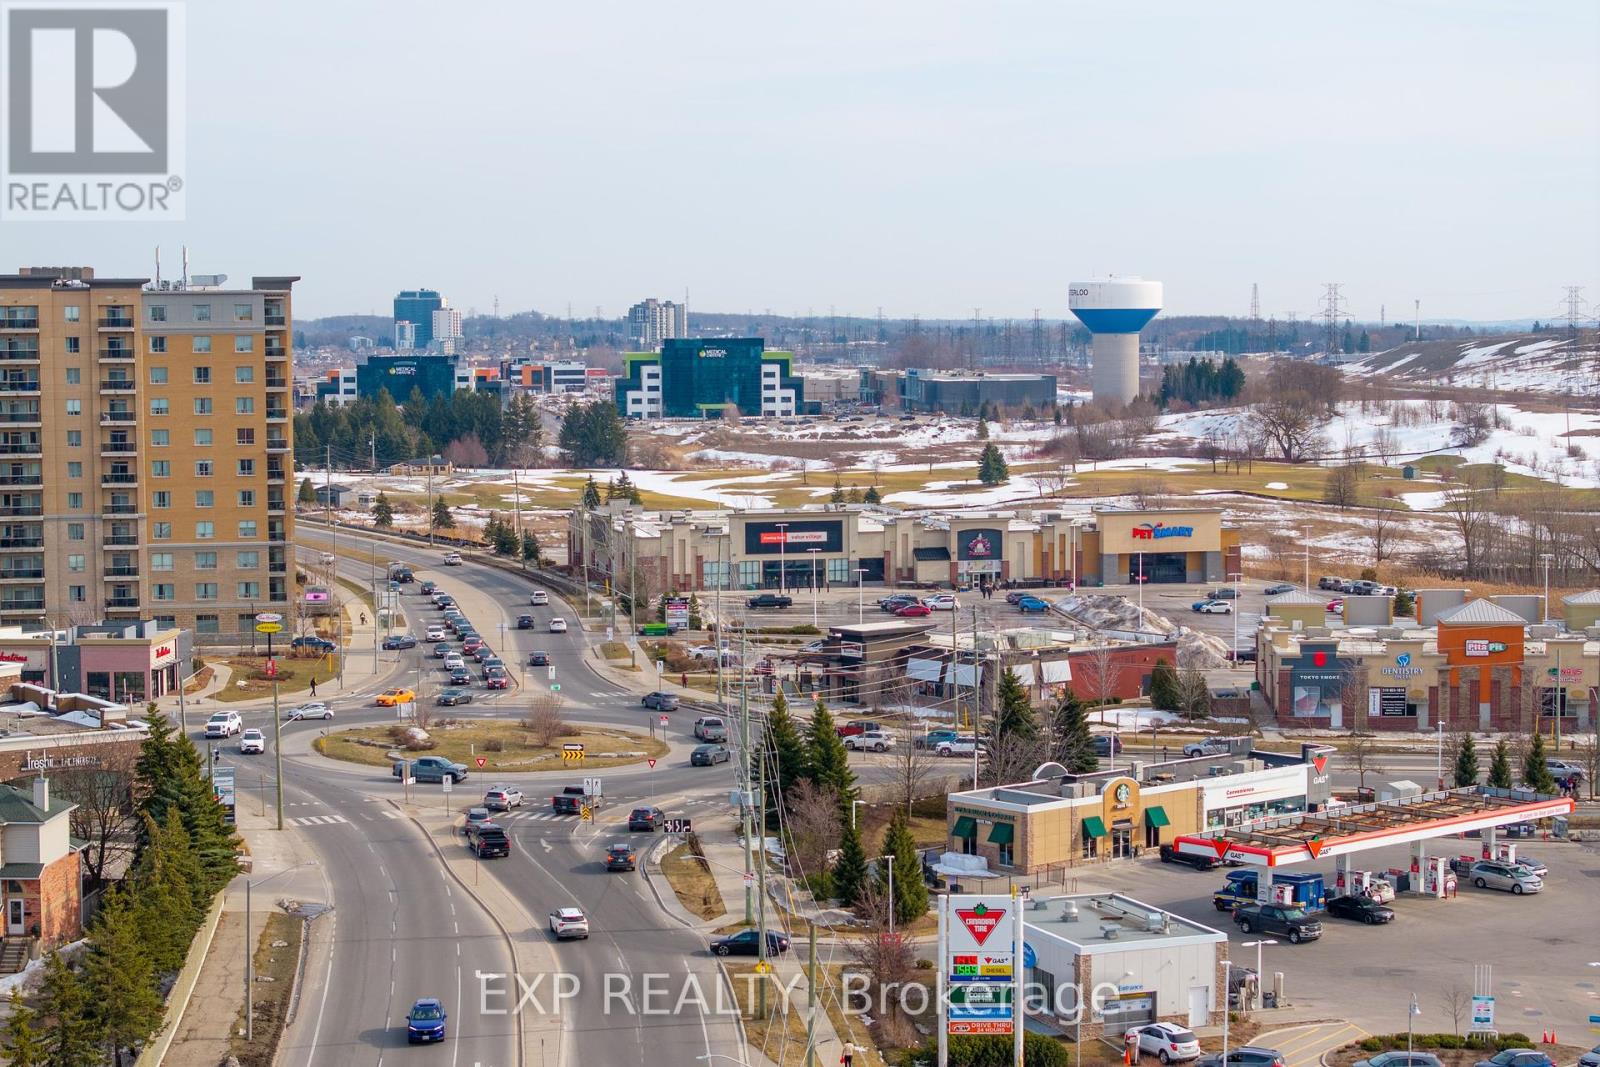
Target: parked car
[
  {"x": 709, "y": 755},
  {"x": 1167, "y": 1042},
  {"x": 224, "y": 724},
  {"x": 1226, "y": 592},
  {"x": 933, "y": 738},
  {"x": 1335, "y": 606},
  {"x": 1245, "y": 1056},
  {"x": 1278, "y": 589},
  {"x": 894, "y": 603},
  {"x": 942, "y": 602},
  {"x": 538, "y": 659},
  {"x": 961, "y": 746},
  {"x": 431, "y": 769},
  {"x": 502, "y": 797},
  {"x": 1360, "y": 909},
  {"x": 395, "y": 642},
  {"x": 748, "y": 943},
  {"x": 871, "y": 741},
  {"x": 1293, "y": 924},
  {"x": 1212, "y": 607},
  {"x": 1530, "y": 864},
  {"x": 1380, "y": 890},
  {"x": 313, "y": 644},
  {"x": 1518, "y": 1057},
  {"x": 621, "y": 857},
  {"x": 558, "y": 626},
  {"x": 538, "y": 598},
  {"x": 524, "y": 622},
  {"x": 452, "y": 559},
  {"x": 316, "y": 709},
  {"x": 487, "y": 840},
  {"x": 855, "y": 726},
  {"x": 710, "y": 728},
  {"x": 769, "y": 600},
  {"x": 1026, "y": 604},
  {"x": 252, "y": 742},
  {"x": 1329, "y": 582},
  {"x": 425, "y": 1021},
  {"x": 913, "y": 611},
  {"x": 1106, "y": 745},
  {"x": 1590, "y": 1058},
  {"x": 1401, "y": 1058},
  {"x": 569, "y": 923},
  {"x": 1210, "y": 746},
  {"x": 1013, "y": 597},
  {"x": 659, "y": 701},
  {"x": 1491, "y": 874},
  {"x": 450, "y": 696},
  {"x": 1170, "y": 854},
  {"x": 398, "y": 695},
  {"x": 646, "y": 818}
]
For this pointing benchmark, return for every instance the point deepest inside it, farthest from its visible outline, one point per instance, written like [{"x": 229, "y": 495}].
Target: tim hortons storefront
[{"x": 1157, "y": 547}]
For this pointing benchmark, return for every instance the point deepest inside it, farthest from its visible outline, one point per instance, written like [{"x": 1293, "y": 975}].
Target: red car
[
  {"x": 497, "y": 681},
  {"x": 1335, "y": 606},
  {"x": 912, "y": 611}
]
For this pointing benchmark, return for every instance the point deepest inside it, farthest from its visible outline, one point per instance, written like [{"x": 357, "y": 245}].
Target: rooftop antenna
[
  {"x": 158, "y": 266},
  {"x": 184, "y": 281},
  {"x": 1255, "y": 301}
]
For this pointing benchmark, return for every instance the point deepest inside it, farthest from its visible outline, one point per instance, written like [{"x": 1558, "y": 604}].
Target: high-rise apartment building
[
  {"x": 652, "y": 321},
  {"x": 416, "y": 306},
  {"x": 447, "y": 329},
  {"x": 146, "y": 456}
]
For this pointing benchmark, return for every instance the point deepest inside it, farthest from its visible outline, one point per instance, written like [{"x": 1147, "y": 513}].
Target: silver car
[{"x": 1486, "y": 874}]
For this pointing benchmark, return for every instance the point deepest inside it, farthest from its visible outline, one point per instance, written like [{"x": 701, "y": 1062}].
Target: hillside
[{"x": 1518, "y": 363}]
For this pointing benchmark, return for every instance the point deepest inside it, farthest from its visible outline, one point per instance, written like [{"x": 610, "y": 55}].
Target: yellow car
[{"x": 390, "y": 697}]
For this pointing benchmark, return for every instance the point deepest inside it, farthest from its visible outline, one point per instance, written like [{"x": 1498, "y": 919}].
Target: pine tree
[
  {"x": 1014, "y": 716},
  {"x": 1164, "y": 692},
  {"x": 992, "y": 468},
  {"x": 1500, "y": 766},
  {"x": 169, "y": 768},
  {"x": 166, "y": 893},
  {"x": 983, "y": 428},
  {"x": 591, "y": 494},
  {"x": 850, "y": 870},
  {"x": 442, "y": 519},
  {"x": 530, "y": 548},
  {"x": 828, "y": 762},
  {"x": 22, "y": 1043},
  {"x": 1535, "y": 772},
  {"x": 838, "y": 491},
  {"x": 1467, "y": 763},
  {"x": 853, "y": 496},
  {"x": 119, "y": 979},
  {"x": 382, "y": 512},
  {"x": 872, "y": 496},
  {"x": 308, "y": 495},
  {"x": 910, "y": 891},
  {"x": 1074, "y": 744},
  {"x": 788, "y": 751},
  {"x": 506, "y": 541},
  {"x": 70, "y": 1037}
]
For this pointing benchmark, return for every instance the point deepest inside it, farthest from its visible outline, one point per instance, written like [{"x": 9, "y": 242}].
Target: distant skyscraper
[
  {"x": 417, "y": 306},
  {"x": 405, "y": 335},
  {"x": 653, "y": 321},
  {"x": 447, "y": 328}
]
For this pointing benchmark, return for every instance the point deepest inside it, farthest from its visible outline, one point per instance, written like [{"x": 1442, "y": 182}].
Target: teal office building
[{"x": 694, "y": 378}]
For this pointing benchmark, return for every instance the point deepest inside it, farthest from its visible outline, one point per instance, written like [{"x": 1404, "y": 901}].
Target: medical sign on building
[{"x": 978, "y": 960}]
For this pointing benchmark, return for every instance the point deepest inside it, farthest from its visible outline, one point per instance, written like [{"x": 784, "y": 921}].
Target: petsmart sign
[{"x": 977, "y": 954}]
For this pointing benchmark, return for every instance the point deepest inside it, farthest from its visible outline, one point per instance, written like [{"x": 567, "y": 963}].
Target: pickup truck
[
  {"x": 431, "y": 769},
  {"x": 769, "y": 600},
  {"x": 452, "y": 559},
  {"x": 711, "y": 728},
  {"x": 855, "y": 726},
  {"x": 569, "y": 801},
  {"x": 1294, "y": 924}
]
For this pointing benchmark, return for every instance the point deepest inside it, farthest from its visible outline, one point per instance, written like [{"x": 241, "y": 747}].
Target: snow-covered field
[{"x": 1535, "y": 364}]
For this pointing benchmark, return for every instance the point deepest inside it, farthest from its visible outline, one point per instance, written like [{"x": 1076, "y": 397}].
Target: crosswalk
[{"x": 317, "y": 820}]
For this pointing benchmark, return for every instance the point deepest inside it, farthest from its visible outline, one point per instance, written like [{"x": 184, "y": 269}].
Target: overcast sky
[{"x": 926, "y": 157}]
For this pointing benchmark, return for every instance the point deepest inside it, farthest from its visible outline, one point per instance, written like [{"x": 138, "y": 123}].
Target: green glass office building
[{"x": 700, "y": 377}]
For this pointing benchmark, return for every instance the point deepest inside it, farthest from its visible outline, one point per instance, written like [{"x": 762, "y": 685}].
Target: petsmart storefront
[{"x": 1157, "y": 547}]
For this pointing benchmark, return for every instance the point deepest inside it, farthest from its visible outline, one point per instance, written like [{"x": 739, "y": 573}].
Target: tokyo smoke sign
[{"x": 91, "y": 124}]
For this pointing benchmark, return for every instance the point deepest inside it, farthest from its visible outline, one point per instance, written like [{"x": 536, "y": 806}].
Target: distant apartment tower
[
  {"x": 146, "y": 451},
  {"x": 405, "y": 336},
  {"x": 447, "y": 329},
  {"x": 652, "y": 322},
  {"x": 702, "y": 378},
  {"x": 416, "y": 306}
]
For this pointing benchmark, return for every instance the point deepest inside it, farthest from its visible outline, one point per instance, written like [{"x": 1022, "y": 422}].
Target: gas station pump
[
  {"x": 1506, "y": 853},
  {"x": 1436, "y": 877},
  {"x": 1282, "y": 893}
]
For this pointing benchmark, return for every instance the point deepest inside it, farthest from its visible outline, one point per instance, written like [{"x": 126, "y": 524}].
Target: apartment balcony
[
  {"x": 114, "y": 508},
  {"x": 31, "y": 605},
  {"x": 115, "y": 478},
  {"x": 22, "y": 511},
  {"x": 22, "y": 574},
  {"x": 277, "y": 352},
  {"x": 19, "y": 385},
  {"x": 116, "y": 355},
  {"x": 19, "y": 353},
  {"x": 276, "y": 320},
  {"x": 277, "y": 414},
  {"x": 274, "y": 474},
  {"x": 123, "y": 571},
  {"x": 275, "y": 505},
  {"x": 32, "y": 540},
  {"x": 115, "y": 320},
  {"x": 15, "y": 323},
  {"x": 118, "y": 418},
  {"x": 277, "y": 382},
  {"x": 115, "y": 539},
  {"x": 276, "y": 532},
  {"x": 21, "y": 418},
  {"x": 122, "y": 603},
  {"x": 118, "y": 385},
  {"x": 277, "y": 568},
  {"x": 277, "y": 444},
  {"x": 118, "y": 448},
  {"x": 22, "y": 479},
  {"x": 34, "y": 449}
]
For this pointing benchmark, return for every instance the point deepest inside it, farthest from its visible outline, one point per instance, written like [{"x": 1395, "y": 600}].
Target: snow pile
[
  {"x": 1106, "y": 611},
  {"x": 1203, "y": 652}
]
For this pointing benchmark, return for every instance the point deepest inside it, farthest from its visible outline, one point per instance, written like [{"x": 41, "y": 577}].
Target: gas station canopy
[{"x": 1349, "y": 828}]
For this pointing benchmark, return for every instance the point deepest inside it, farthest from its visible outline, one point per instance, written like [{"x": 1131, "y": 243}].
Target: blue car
[
  {"x": 1026, "y": 604},
  {"x": 425, "y": 1021}
]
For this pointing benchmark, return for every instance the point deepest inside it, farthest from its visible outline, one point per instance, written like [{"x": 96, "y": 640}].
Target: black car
[
  {"x": 524, "y": 622},
  {"x": 892, "y": 604},
  {"x": 1361, "y": 909},
  {"x": 709, "y": 755},
  {"x": 1244, "y": 1056},
  {"x": 1280, "y": 588},
  {"x": 645, "y": 818},
  {"x": 460, "y": 676},
  {"x": 748, "y": 943},
  {"x": 621, "y": 857},
  {"x": 1170, "y": 854},
  {"x": 539, "y": 659},
  {"x": 395, "y": 641},
  {"x": 1107, "y": 745},
  {"x": 1295, "y": 924},
  {"x": 769, "y": 600},
  {"x": 487, "y": 840},
  {"x": 453, "y": 696},
  {"x": 427, "y": 588}
]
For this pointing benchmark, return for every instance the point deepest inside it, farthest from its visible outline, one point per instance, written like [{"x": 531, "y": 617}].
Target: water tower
[{"x": 1115, "y": 311}]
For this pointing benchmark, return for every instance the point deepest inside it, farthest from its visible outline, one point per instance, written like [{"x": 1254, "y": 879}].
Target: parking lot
[{"x": 1542, "y": 947}]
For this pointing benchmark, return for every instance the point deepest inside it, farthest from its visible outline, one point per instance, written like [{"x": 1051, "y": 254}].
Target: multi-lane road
[{"x": 402, "y": 926}]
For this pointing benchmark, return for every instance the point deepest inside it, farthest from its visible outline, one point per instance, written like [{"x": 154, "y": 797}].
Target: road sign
[
  {"x": 749, "y": 879},
  {"x": 481, "y": 761},
  {"x": 269, "y": 616},
  {"x": 555, "y": 687},
  {"x": 572, "y": 752},
  {"x": 663, "y": 721},
  {"x": 592, "y": 787},
  {"x": 677, "y": 826},
  {"x": 611, "y": 633},
  {"x": 1483, "y": 1013},
  {"x": 763, "y": 967},
  {"x": 552, "y": 670},
  {"x": 650, "y": 763},
  {"x": 586, "y": 813},
  {"x": 269, "y": 627},
  {"x": 446, "y": 786},
  {"x": 272, "y": 668}
]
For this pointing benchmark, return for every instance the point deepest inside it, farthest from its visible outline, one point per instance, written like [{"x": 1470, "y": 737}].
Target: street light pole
[
  {"x": 861, "y": 595},
  {"x": 1235, "y": 613},
  {"x": 812, "y": 552},
  {"x": 1260, "y": 973},
  {"x": 783, "y": 544}
]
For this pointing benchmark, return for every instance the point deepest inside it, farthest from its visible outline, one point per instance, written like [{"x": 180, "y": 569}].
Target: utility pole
[
  {"x": 977, "y": 696},
  {"x": 1255, "y": 301},
  {"x": 745, "y": 772},
  {"x": 761, "y": 879},
  {"x": 277, "y": 734},
  {"x": 430, "y": 500},
  {"x": 722, "y": 697},
  {"x": 1333, "y": 308},
  {"x": 811, "y": 964}
]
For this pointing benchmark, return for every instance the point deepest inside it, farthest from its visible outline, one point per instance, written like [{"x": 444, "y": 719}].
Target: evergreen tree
[
  {"x": 1014, "y": 716},
  {"x": 591, "y": 494},
  {"x": 910, "y": 891},
  {"x": 530, "y": 548},
  {"x": 167, "y": 908},
  {"x": 853, "y": 496},
  {"x": 22, "y": 1043},
  {"x": 1466, "y": 763},
  {"x": 838, "y": 491},
  {"x": 983, "y": 428},
  {"x": 1500, "y": 766},
  {"x": 788, "y": 751},
  {"x": 992, "y": 468},
  {"x": 1074, "y": 744},
  {"x": 1164, "y": 692},
  {"x": 70, "y": 1037},
  {"x": 308, "y": 495},
  {"x": 382, "y": 512},
  {"x": 828, "y": 761},
  {"x": 119, "y": 979},
  {"x": 872, "y": 496},
  {"x": 506, "y": 541},
  {"x": 595, "y": 435},
  {"x": 1535, "y": 773},
  {"x": 442, "y": 519},
  {"x": 850, "y": 870},
  {"x": 169, "y": 768}
]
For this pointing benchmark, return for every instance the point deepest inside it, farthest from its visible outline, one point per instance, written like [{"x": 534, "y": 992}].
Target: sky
[{"x": 925, "y": 158}]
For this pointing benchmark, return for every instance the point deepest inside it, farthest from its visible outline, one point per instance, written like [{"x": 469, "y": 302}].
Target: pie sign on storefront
[{"x": 979, "y": 546}]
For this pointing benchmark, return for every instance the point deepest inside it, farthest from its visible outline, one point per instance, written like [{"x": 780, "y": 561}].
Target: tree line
[
  {"x": 1200, "y": 382},
  {"x": 467, "y": 428}
]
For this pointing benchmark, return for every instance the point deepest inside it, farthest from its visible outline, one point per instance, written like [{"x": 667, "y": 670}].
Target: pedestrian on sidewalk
[
  {"x": 313, "y": 686},
  {"x": 848, "y": 1056}
]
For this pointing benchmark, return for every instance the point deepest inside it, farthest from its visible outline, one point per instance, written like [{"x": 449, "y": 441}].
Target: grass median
[{"x": 506, "y": 745}]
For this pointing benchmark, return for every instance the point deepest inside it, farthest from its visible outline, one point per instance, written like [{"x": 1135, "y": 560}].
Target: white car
[
  {"x": 568, "y": 923},
  {"x": 252, "y": 740},
  {"x": 452, "y": 559},
  {"x": 558, "y": 626},
  {"x": 1381, "y": 890},
  {"x": 316, "y": 709},
  {"x": 436, "y": 632},
  {"x": 224, "y": 724},
  {"x": 502, "y": 798},
  {"x": 1166, "y": 1042},
  {"x": 1214, "y": 607},
  {"x": 538, "y": 597},
  {"x": 961, "y": 746},
  {"x": 870, "y": 741},
  {"x": 942, "y": 602}
]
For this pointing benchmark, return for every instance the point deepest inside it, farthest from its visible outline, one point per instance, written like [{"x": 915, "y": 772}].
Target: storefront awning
[
  {"x": 1094, "y": 827},
  {"x": 930, "y": 554},
  {"x": 924, "y": 670},
  {"x": 1057, "y": 671},
  {"x": 1002, "y": 833},
  {"x": 966, "y": 674},
  {"x": 1156, "y": 816},
  {"x": 966, "y": 826}
]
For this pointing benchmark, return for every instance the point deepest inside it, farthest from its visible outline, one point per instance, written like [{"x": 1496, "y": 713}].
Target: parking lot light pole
[
  {"x": 1260, "y": 973},
  {"x": 1227, "y": 992},
  {"x": 1235, "y": 613},
  {"x": 1411, "y": 1017},
  {"x": 1439, "y": 755},
  {"x": 812, "y": 552},
  {"x": 861, "y": 596}
]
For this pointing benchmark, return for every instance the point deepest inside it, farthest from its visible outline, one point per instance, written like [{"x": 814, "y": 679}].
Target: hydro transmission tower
[{"x": 1333, "y": 309}]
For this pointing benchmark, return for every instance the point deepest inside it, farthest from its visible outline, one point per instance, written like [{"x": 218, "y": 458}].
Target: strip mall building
[{"x": 684, "y": 551}]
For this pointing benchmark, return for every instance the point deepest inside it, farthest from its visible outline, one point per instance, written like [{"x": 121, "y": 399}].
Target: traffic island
[
  {"x": 275, "y": 969},
  {"x": 690, "y": 877},
  {"x": 506, "y": 745}
]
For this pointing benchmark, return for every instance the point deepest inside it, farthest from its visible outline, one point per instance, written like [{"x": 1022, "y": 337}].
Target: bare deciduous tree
[
  {"x": 910, "y": 765},
  {"x": 1385, "y": 444},
  {"x": 1364, "y": 756},
  {"x": 887, "y": 961},
  {"x": 1382, "y": 525},
  {"x": 105, "y": 816},
  {"x": 812, "y": 818},
  {"x": 1456, "y": 1000},
  {"x": 546, "y": 720},
  {"x": 1467, "y": 508},
  {"x": 1343, "y": 487},
  {"x": 1194, "y": 695}
]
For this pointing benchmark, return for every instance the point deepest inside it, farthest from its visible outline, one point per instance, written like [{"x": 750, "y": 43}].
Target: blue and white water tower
[{"x": 1115, "y": 311}]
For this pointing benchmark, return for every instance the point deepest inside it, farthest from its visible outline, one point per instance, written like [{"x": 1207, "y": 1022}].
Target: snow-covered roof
[
  {"x": 1588, "y": 596},
  {"x": 1296, "y": 597},
  {"x": 1481, "y": 613}
]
